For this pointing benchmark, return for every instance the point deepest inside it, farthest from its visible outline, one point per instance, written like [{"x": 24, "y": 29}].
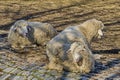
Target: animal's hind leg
[
  {"x": 55, "y": 64},
  {"x": 70, "y": 66}
]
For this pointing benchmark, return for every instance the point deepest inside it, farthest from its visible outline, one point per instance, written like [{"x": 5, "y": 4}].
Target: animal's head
[
  {"x": 99, "y": 26},
  {"x": 21, "y": 27},
  {"x": 94, "y": 28}
]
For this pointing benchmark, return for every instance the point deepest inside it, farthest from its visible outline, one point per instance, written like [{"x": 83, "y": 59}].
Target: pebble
[
  {"x": 9, "y": 69},
  {"x": 5, "y": 76},
  {"x": 36, "y": 72},
  {"x": 30, "y": 77},
  {"x": 19, "y": 78}
]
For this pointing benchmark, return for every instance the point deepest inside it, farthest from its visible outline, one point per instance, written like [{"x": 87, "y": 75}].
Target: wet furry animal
[
  {"x": 80, "y": 58},
  {"x": 24, "y": 33},
  {"x": 60, "y": 46}
]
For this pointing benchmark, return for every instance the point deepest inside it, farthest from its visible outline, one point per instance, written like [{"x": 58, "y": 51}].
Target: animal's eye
[
  {"x": 14, "y": 29},
  {"x": 28, "y": 28}
]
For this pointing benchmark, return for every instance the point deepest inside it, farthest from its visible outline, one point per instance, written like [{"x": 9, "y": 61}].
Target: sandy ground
[{"x": 61, "y": 14}]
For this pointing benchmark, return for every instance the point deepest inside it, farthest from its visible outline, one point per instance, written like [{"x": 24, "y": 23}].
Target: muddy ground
[{"x": 61, "y": 14}]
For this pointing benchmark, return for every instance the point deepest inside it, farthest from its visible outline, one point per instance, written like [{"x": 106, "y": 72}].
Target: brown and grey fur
[
  {"x": 79, "y": 59},
  {"x": 24, "y": 33},
  {"x": 58, "y": 47}
]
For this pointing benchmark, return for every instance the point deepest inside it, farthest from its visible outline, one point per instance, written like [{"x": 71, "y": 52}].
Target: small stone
[
  {"x": 53, "y": 72},
  {"x": 8, "y": 69},
  {"x": 34, "y": 79},
  {"x": 49, "y": 78},
  {"x": 20, "y": 73},
  {"x": 11, "y": 77},
  {"x": 84, "y": 78},
  {"x": 26, "y": 73},
  {"x": 2, "y": 61},
  {"x": 10, "y": 64},
  {"x": 58, "y": 77},
  {"x": 29, "y": 77},
  {"x": 5, "y": 77},
  {"x": 67, "y": 78},
  {"x": 34, "y": 68},
  {"x": 15, "y": 71},
  {"x": 42, "y": 71},
  {"x": 23, "y": 67},
  {"x": 78, "y": 77},
  {"x": 71, "y": 74},
  {"x": 1, "y": 73},
  {"x": 3, "y": 66},
  {"x": 19, "y": 78}
]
